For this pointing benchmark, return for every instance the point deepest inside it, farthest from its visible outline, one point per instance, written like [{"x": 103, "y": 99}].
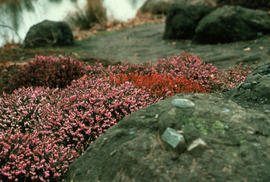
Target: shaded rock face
[
  {"x": 182, "y": 20},
  {"x": 253, "y": 4},
  {"x": 49, "y": 33},
  {"x": 256, "y": 87},
  {"x": 215, "y": 140},
  {"x": 163, "y": 6},
  {"x": 156, "y": 6},
  {"x": 232, "y": 23}
]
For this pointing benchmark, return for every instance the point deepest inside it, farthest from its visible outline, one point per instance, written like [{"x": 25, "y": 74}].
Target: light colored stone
[
  {"x": 183, "y": 103},
  {"x": 197, "y": 145},
  {"x": 174, "y": 139}
]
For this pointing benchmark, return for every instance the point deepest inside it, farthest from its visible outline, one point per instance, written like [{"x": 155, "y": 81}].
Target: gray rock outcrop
[
  {"x": 218, "y": 140},
  {"x": 49, "y": 33},
  {"x": 232, "y": 23},
  {"x": 182, "y": 20}
]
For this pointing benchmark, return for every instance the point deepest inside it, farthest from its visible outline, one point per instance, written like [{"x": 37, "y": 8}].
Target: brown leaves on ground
[{"x": 116, "y": 25}]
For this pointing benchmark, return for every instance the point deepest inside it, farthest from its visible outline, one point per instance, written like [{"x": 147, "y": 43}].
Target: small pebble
[
  {"x": 182, "y": 103},
  {"x": 226, "y": 110},
  {"x": 131, "y": 132}
]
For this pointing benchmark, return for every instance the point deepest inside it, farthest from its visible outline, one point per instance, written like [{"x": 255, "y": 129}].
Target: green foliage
[{"x": 94, "y": 14}]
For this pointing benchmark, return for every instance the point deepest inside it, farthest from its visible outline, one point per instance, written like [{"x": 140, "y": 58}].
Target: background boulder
[
  {"x": 156, "y": 6},
  {"x": 232, "y": 23},
  {"x": 163, "y": 6},
  {"x": 49, "y": 33},
  {"x": 182, "y": 20},
  {"x": 253, "y": 4},
  {"x": 216, "y": 140}
]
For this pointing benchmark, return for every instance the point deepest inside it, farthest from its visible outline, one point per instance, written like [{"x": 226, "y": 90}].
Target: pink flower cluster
[
  {"x": 49, "y": 71},
  {"x": 29, "y": 150}
]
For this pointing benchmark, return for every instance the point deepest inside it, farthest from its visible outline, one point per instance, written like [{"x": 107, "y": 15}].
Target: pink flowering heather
[
  {"x": 29, "y": 150},
  {"x": 88, "y": 107},
  {"x": 234, "y": 76},
  {"x": 22, "y": 109},
  {"x": 49, "y": 71},
  {"x": 32, "y": 157},
  {"x": 51, "y": 127}
]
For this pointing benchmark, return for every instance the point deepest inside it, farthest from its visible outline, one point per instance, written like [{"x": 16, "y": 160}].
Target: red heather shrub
[
  {"x": 159, "y": 84},
  {"x": 88, "y": 107},
  {"x": 188, "y": 66},
  {"x": 49, "y": 72},
  {"x": 29, "y": 150}
]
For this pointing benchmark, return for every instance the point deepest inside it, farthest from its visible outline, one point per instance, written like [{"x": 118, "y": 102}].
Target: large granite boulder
[
  {"x": 49, "y": 33},
  {"x": 182, "y": 20},
  {"x": 188, "y": 137},
  {"x": 232, "y": 23}
]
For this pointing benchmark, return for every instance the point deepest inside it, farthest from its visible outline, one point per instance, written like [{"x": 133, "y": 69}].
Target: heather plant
[
  {"x": 44, "y": 130},
  {"x": 29, "y": 150},
  {"x": 48, "y": 71},
  {"x": 234, "y": 76},
  {"x": 190, "y": 67},
  {"x": 92, "y": 105},
  {"x": 163, "y": 86}
]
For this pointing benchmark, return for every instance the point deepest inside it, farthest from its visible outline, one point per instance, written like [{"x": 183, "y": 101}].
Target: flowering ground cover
[{"x": 45, "y": 126}]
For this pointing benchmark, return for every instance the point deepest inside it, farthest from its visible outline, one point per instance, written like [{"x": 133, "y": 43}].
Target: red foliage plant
[
  {"x": 160, "y": 85},
  {"x": 189, "y": 67}
]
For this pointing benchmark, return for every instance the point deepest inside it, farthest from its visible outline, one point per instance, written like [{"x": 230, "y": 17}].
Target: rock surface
[
  {"x": 163, "y": 6},
  {"x": 49, "y": 33},
  {"x": 253, "y": 4},
  {"x": 182, "y": 20},
  {"x": 156, "y": 6},
  {"x": 256, "y": 88},
  {"x": 232, "y": 23},
  {"x": 225, "y": 142}
]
